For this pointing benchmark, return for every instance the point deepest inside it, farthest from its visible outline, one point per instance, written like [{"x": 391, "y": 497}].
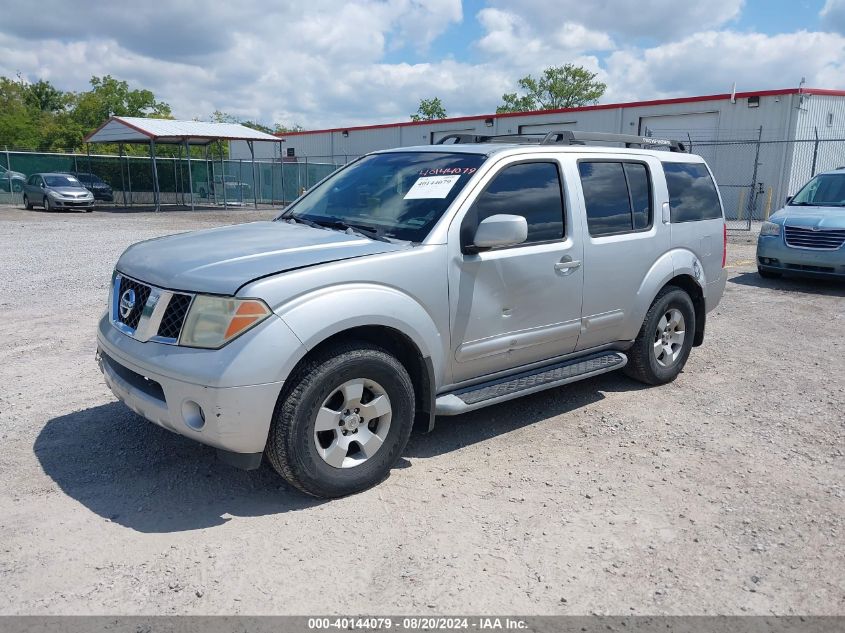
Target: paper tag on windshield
[{"x": 431, "y": 187}]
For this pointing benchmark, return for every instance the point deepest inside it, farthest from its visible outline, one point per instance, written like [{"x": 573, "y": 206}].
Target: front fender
[{"x": 317, "y": 315}]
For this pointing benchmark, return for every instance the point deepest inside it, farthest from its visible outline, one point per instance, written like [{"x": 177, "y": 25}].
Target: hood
[
  {"x": 73, "y": 192},
  {"x": 221, "y": 260},
  {"x": 809, "y": 217}
]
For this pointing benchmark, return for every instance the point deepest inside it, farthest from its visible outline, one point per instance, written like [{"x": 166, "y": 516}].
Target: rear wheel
[
  {"x": 343, "y": 422},
  {"x": 26, "y": 203},
  {"x": 767, "y": 274},
  {"x": 662, "y": 347}
]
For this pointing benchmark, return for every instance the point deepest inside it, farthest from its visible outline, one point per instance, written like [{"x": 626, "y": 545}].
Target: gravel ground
[{"x": 719, "y": 493}]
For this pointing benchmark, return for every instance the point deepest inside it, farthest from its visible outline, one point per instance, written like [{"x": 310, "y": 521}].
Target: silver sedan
[{"x": 56, "y": 191}]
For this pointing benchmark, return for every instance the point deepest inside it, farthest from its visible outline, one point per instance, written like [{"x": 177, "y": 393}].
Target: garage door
[{"x": 700, "y": 126}]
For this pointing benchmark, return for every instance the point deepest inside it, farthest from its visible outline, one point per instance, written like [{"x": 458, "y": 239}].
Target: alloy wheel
[
  {"x": 669, "y": 337},
  {"x": 352, "y": 423}
]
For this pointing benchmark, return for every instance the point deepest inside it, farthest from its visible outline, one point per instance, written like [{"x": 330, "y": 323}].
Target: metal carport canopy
[{"x": 125, "y": 129}]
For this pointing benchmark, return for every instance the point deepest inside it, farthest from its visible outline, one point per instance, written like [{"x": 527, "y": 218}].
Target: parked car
[
  {"x": 413, "y": 282},
  {"x": 11, "y": 180},
  {"x": 236, "y": 191},
  {"x": 807, "y": 236},
  {"x": 56, "y": 191},
  {"x": 96, "y": 185}
]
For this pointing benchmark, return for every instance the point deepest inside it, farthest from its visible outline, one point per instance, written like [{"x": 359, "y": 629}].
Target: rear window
[{"x": 692, "y": 192}]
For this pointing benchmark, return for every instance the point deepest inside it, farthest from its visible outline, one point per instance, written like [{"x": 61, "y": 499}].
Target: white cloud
[
  {"x": 711, "y": 61},
  {"x": 330, "y": 63},
  {"x": 511, "y": 39},
  {"x": 659, "y": 20},
  {"x": 833, "y": 15}
]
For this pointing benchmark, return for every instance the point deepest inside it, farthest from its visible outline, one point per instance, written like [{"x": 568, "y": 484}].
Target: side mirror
[
  {"x": 788, "y": 200},
  {"x": 42, "y": 185},
  {"x": 501, "y": 230}
]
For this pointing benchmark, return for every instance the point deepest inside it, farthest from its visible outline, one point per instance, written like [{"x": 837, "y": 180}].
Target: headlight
[
  {"x": 770, "y": 228},
  {"x": 214, "y": 321}
]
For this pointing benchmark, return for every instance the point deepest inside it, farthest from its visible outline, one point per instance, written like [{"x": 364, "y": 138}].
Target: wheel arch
[
  {"x": 680, "y": 268},
  {"x": 689, "y": 285},
  {"x": 420, "y": 367}
]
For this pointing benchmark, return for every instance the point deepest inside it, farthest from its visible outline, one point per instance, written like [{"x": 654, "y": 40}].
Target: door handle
[{"x": 568, "y": 266}]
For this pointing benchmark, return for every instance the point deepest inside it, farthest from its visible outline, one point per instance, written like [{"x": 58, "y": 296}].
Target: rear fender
[{"x": 668, "y": 266}]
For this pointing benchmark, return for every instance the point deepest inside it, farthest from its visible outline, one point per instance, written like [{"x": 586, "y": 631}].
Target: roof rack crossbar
[{"x": 567, "y": 137}]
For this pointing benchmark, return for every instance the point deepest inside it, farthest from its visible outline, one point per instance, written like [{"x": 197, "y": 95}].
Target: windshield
[
  {"x": 825, "y": 190},
  {"x": 397, "y": 194},
  {"x": 61, "y": 181}
]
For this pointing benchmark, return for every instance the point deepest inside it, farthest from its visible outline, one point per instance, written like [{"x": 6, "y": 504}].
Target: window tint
[
  {"x": 33, "y": 180},
  {"x": 692, "y": 193},
  {"x": 531, "y": 190},
  {"x": 617, "y": 196},
  {"x": 640, "y": 192}
]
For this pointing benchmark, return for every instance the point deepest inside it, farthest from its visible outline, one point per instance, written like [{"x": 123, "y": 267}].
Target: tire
[
  {"x": 766, "y": 274},
  {"x": 46, "y": 203},
  {"x": 26, "y": 203},
  {"x": 659, "y": 354},
  {"x": 333, "y": 462}
]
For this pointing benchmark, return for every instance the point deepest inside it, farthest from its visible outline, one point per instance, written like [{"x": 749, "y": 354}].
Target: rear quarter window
[{"x": 692, "y": 192}]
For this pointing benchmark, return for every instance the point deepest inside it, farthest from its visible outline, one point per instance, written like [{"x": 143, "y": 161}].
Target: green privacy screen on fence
[{"x": 131, "y": 178}]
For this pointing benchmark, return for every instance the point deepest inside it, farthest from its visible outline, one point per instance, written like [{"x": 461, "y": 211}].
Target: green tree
[
  {"x": 44, "y": 97},
  {"x": 566, "y": 86},
  {"x": 429, "y": 110},
  {"x": 280, "y": 128},
  {"x": 111, "y": 97}
]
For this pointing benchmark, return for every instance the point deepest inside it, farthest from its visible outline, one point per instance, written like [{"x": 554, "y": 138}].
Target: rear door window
[
  {"x": 617, "y": 196},
  {"x": 692, "y": 192}
]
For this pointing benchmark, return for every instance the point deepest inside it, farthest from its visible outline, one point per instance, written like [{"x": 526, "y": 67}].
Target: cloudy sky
[{"x": 330, "y": 63}]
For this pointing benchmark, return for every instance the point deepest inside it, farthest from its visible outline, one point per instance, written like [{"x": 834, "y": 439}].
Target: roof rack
[{"x": 567, "y": 137}]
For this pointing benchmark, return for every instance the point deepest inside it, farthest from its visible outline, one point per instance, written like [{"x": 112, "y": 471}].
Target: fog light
[{"x": 193, "y": 415}]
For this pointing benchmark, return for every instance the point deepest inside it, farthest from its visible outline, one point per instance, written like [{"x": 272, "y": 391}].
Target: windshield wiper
[{"x": 337, "y": 223}]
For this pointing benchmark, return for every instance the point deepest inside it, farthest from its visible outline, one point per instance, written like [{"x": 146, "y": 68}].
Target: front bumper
[
  {"x": 775, "y": 256},
  {"x": 60, "y": 203},
  {"x": 215, "y": 397}
]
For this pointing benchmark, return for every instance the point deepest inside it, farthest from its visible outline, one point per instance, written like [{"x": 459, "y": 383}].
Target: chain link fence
[
  {"x": 216, "y": 182},
  {"x": 755, "y": 176}
]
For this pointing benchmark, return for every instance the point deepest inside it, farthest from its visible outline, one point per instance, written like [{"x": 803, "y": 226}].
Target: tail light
[{"x": 724, "y": 244}]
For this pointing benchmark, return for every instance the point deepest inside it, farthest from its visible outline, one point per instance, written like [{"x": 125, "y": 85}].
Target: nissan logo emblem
[{"x": 127, "y": 303}]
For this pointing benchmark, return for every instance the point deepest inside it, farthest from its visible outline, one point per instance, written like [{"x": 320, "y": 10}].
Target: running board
[{"x": 511, "y": 387}]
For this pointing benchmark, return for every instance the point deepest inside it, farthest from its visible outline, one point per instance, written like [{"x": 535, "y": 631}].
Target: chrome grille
[
  {"x": 822, "y": 239},
  {"x": 174, "y": 316},
  {"x": 158, "y": 315},
  {"x": 142, "y": 293}
]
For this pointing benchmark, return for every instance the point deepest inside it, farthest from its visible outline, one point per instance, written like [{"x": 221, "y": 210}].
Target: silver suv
[{"x": 417, "y": 282}]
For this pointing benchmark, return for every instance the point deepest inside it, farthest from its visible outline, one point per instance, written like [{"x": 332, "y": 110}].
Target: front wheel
[
  {"x": 343, "y": 421},
  {"x": 663, "y": 344},
  {"x": 46, "y": 204}
]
